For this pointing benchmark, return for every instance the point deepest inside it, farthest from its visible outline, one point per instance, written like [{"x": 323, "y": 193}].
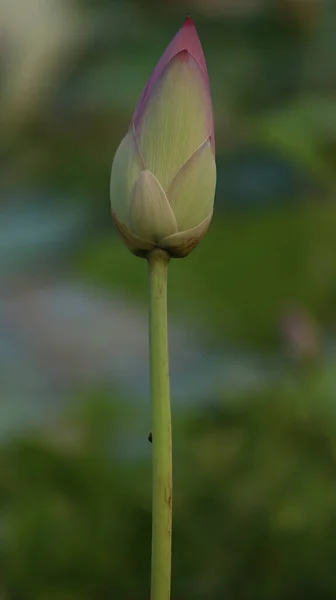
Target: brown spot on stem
[{"x": 168, "y": 495}]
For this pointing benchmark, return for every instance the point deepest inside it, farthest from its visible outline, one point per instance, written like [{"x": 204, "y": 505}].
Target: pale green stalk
[{"x": 161, "y": 426}]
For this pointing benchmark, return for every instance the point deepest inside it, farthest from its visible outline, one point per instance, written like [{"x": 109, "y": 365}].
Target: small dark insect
[{"x": 150, "y": 437}]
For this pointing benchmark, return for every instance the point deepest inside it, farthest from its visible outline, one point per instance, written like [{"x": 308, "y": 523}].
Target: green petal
[
  {"x": 181, "y": 244},
  {"x": 150, "y": 217},
  {"x": 126, "y": 168},
  {"x": 191, "y": 193},
  {"x": 176, "y": 119}
]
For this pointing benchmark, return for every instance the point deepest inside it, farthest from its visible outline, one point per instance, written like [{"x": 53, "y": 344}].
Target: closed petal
[
  {"x": 150, "y": 216},
  {"x": 192, "y": 191},
  {"x": 126, "y": 168},
  {"x": 185, "y": 39},
  {"x": 181, "y": 244},
  {"x": 177, "y": 118}
]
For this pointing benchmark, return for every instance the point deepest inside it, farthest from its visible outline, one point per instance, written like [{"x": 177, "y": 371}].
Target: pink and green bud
[{"x": 163, "y": 175}]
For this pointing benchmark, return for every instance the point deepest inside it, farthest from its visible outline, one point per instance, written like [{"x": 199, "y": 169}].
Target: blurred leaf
[
  {"x": 300, "y": 131},
  {"x": 244, "y": 274}
]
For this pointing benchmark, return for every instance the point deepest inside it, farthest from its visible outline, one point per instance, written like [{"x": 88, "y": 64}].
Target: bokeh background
[{"x": 252, "y": 310}]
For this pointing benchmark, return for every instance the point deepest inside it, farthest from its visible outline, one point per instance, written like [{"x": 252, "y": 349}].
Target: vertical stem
[{"x": 161, "y": 426}]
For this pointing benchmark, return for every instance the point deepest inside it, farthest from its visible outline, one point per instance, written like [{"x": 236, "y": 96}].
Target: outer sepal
[
  {"x": 192, "y": 191},
  {"x": 126, "y": 168},
  {"x": 150, "y": 215},
  {"x": 181, "y": 244}
]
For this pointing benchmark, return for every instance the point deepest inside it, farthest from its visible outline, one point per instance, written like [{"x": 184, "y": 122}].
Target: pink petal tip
[{"x": 188, "y": 22}]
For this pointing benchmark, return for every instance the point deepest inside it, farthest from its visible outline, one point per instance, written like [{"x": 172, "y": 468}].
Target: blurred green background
[{"x": 252, "y": 310}]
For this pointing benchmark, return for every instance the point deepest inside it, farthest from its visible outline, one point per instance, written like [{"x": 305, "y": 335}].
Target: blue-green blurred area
[{"x": 252, "y": 310}]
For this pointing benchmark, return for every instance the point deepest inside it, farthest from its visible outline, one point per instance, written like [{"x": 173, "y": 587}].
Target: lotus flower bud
[{"x": 163, "y": 175}]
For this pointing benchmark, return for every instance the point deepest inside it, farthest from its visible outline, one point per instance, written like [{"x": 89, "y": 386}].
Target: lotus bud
[{"x": 163, "y": 175}]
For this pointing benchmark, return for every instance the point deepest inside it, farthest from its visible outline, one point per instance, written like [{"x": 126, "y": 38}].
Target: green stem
[{"x": 161, "y": 426}]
